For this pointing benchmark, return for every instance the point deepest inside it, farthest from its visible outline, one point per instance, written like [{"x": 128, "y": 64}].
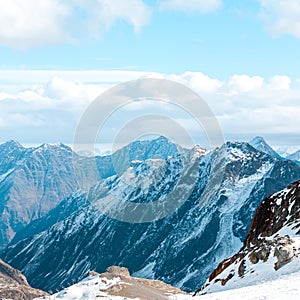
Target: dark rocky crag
[{"x": 271, "y": 236}]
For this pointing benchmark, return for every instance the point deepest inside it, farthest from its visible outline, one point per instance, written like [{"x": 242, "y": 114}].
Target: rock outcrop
[
  {"x": 117, "y": 281},
  {"x": 272, "y": 243},
  {"x": 14, "y": 285}
]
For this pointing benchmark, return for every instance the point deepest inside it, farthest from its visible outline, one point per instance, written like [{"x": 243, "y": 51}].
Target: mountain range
[
  {"x": 183, "y": 248},
  {"x": 35, "y": 180}
]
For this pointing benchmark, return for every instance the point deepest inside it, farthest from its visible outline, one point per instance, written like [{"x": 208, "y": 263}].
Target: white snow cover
[
  {"x": 286, "y": 287},
  {"x": 92, "y": 287}
]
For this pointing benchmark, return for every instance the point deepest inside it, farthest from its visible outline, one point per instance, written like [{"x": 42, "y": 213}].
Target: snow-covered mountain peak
[
  {"x": 199, "y": 151},
  {"x": 237, "y": 150},
  {"x": 258, "y": 140},
  {"x": 55, "y": 147},
  {"x": 144, "y": 174},
  {"x": 260, "y": 144},
  {"x": 221, "y": 191},
  {"x": 12, "y": 144}
]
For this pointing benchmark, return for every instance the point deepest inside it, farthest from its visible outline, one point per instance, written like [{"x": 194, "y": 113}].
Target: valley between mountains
[{"x": 238, "y": 226}]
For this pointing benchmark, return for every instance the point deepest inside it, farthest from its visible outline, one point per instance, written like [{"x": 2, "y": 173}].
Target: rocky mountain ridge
[{"x": 35, "y": 180}]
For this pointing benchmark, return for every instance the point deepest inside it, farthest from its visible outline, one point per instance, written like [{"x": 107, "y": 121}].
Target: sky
[{"x": 242, "y": 57}]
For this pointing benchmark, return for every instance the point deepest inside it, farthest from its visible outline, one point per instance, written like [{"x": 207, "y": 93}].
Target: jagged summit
[
  {"x": 260, "y": 144},
  {"x": 11, "y": 144},
  {"x": 53, "y": 148}
]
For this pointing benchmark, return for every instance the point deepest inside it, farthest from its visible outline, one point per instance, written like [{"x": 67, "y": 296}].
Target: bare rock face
[
  {"x": 266, "y": 243},
  {"x": 14, "y": 285},
  {"x": 121, "y": 271},
  {"x": 284, "y": 251}
]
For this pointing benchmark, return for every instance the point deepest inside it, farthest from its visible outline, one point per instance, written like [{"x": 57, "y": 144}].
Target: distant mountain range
[
  {"x": 64, "y": 242},
  {"x": 35, "y": 180}
]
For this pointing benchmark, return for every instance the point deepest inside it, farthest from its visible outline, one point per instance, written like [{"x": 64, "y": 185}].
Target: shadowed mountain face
[
  {"x": 182, "y": 248},
  {"x": 13, "y": 284},
  {"x": 271, "y": 248}
]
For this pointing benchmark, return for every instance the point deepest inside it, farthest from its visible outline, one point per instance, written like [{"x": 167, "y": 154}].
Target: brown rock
[
  {"x": 132, "y": 287},
  {"x": 13, "y": 284},
  {"x": 118, "y": 271}
]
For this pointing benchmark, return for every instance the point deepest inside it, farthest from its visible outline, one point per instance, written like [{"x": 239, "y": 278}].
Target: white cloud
[
  {"x": 2, "y": 123},
  {"x": 58, "y": 88},
  {"x": 244, "y": 83},
  {"x": 199, "y": 82},
  {"x": 31, "y": 77},
  {"x": 242, "y": 103},
  {"x": 102, "y": 14},
  {"x": 32, "y": 23},
  {"x": 26, "y": 120},
  {"x": 191, "y": 5},
  {"x": 274, "y": 119},
  {"x": 280, "y": 83},
  {"x": 281, "y": 17}
]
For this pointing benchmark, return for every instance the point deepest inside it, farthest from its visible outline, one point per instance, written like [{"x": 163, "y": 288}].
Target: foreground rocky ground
[
  {"x": 117, "y": 283},
  {"x": 13, "y": 284}
]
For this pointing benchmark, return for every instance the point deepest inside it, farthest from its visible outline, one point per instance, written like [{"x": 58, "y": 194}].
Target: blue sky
[
  {"x": 231, "y": 39},
  {"x": 241, "y": 56}
]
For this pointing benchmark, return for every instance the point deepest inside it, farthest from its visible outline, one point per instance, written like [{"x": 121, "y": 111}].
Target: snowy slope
[
  {"x": 95, "y": 287},
  {"x": 116, "y": 283},
  {"x": 294, "y": 156},
  {"x": 285, "y": 151},
  {"x": 271, "y": 249},
  {"x": 285, "y": 287}
]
